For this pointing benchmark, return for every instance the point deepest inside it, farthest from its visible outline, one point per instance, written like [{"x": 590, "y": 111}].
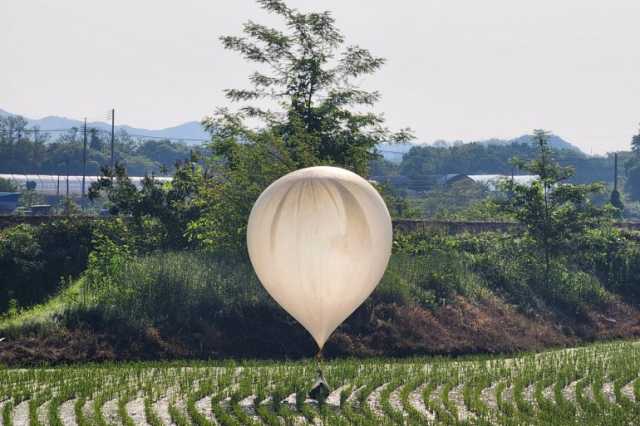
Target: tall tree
[
  {"x": 308, "y": 108},
  {"x": 632, "y": 167},
  {"x": 555, "y": 213},
  {"x": 308, "y": 74}
]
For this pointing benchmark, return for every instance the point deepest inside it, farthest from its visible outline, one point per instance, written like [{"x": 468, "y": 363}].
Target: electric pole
[
  {"x": 67, "y": 197},
  {"x": 615, "y": 172},
  {"x": 113, "y": 119},
  {"x": 84, "y": 158}
]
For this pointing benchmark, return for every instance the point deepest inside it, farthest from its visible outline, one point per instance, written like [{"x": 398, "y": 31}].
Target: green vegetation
[
  {"x": 314, "y": 116},
  {"x": 7, "y": 186},
  {"x": 556, "y": 214},
  {"x": 423, "y": 163},
  {"x": 591, "y": 385},
  {"x": 167, "y": 275},
  {"x": 34, "y": 152},
  {"x": 632, "y": 167},
  {"x": 198, "y": 304},
  {"x": 36, "y": 260}
]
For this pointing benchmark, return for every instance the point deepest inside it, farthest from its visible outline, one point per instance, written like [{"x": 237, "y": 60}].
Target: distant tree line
[
  {"x": 423, "y": 162},
  {"x": 25, "y": 150}
]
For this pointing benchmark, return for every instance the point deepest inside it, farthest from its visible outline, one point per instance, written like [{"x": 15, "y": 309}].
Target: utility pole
[
  {"x": 66, "y": 200},
  {"x": 84, "y": 158},
  {"x": 615, "y": 171},
  {"x": 113, "y": 119}
]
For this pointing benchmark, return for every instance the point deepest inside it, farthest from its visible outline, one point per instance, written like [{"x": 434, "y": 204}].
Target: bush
[
  {"x": 507, "y": 264},
  {"x": 180, "y": 290},
  {"x": 176, "y": 290},
  {"x": 33, "y": 259},
  {"x": 613, "y": 256},
  {"x": 7, "y": 185}
]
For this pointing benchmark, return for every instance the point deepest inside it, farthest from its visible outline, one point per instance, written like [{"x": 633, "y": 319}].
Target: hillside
[
  {"x": 191, "y": 132},
  {"x": 555, "y": 142},
  {"x": 481, "y": 294}
]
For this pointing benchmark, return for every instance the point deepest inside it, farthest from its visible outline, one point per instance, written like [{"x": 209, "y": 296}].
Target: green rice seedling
[
  {"x": 306, "y": 410},
  {"x": 98, "y": 417},
  {"x": 472, "y": 398},
  {"x": 125, "y": 418},
  {"x": 524, "y": 407},
  {"x": 602, "y": 374},
  {"x": 221, "y": 415},
  {"x": 413, "y": 415},
  {"x": 588, "y": 407},
  {"x": 239, "y": 412},
  {"x": 81, "y": 419},
  {"x": 150, "y": 416},
  {"x": 430, "y": 397},
  {"x": 206, "y": 388},
  {"x": 344, "y": 395},
  {"x": 266, "y": 415},
  {"x": 53, "y": 414},
  {"x": 393, "y": 415},
  {"x": 505, "y": 407},
  {"x": 177, "y": 417},
  {"x": 33, "y": 411},
  {"x": 7, "y": 418},
  {"x": 447, "y": 403},
  {"x": 636, "y": 389}
]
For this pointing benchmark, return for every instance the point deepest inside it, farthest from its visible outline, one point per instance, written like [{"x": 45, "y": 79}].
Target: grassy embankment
[{"x": 440, "y": 295}]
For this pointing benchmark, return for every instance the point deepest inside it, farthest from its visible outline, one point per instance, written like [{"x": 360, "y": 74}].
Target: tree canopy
[{"x": 308, "y": 110}]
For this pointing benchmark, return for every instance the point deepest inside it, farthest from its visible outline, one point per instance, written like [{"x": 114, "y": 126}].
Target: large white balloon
[{"x": 319, "y": 240}]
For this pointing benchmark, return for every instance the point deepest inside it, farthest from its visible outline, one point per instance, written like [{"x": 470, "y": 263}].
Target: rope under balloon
[{"x": 319, "y": 360}]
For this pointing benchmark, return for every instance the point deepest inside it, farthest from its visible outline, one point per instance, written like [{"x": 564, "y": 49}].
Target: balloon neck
[{"x": 319, "y": 359}]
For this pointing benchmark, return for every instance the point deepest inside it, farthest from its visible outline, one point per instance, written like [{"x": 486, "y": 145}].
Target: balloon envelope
[{"x": 319, "y": 240}]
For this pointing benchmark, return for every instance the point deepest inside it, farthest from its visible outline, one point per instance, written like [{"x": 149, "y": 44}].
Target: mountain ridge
[{"x": 191, "y": 132}]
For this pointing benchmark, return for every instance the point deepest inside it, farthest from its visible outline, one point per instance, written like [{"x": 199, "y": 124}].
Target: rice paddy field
[{"x": 593, "y": 385}]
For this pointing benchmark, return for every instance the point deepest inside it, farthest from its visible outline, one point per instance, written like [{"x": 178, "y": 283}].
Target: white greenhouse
[{"x": 57, "y": 184}]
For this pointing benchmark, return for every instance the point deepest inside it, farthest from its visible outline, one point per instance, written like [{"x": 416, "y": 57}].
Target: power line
[
  {"x": 107, "y": 132},
  {"x": 135, "y": 135}
]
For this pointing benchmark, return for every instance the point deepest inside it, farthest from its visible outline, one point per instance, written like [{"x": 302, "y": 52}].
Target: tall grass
[{"x": 175, "y": 287}]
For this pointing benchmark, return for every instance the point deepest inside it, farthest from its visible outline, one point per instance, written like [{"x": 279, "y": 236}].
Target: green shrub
[
  {"x": 33, "y": 259},
  {"x": 613, "y": 256},
  {"x": 177, "y": 289},
  {"x": 508, "y": 265}
]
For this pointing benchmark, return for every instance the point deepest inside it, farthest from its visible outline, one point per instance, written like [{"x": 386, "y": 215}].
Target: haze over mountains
[
  {"x": 190, "y": 130},
  {"x": 192, "y": 133}
]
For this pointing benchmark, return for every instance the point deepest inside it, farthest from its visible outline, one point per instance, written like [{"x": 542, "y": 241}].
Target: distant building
[
  {"x": 57, "y": 184},
  {"x": 491, "y": 181}
]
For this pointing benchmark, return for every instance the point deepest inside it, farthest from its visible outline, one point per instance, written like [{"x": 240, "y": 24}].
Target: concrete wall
[
  {"x": 449, "y": 227},
  {"x": 413, "y": 225},
  {"x": 11, "y": 220}
]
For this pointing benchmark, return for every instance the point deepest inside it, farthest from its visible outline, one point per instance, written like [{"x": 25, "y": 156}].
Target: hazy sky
[{"x": 456, "y": 69}]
